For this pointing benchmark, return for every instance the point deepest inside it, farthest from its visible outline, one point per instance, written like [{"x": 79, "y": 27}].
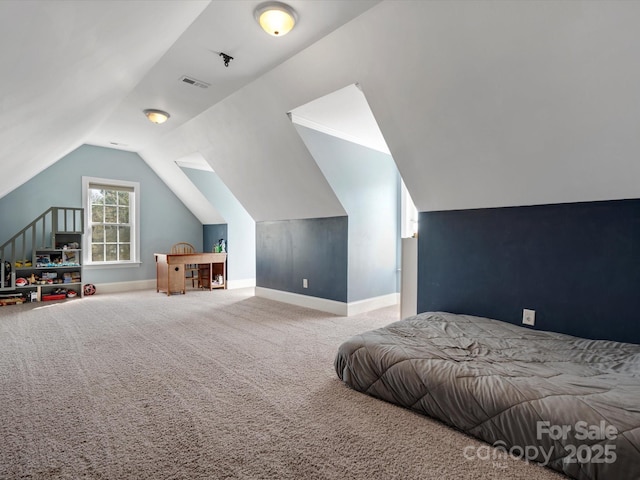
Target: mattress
[{"x": 568, "y": 403}]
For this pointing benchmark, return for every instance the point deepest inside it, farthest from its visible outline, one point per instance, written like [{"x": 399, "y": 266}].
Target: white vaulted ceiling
[
  {"x": 481, "y": 104},
  {"x": 78, "y": 72}
]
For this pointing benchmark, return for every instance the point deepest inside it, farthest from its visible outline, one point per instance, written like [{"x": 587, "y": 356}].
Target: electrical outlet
[
  {"x": 529, "y": 317},
  {"x": 305, "y": 283}
]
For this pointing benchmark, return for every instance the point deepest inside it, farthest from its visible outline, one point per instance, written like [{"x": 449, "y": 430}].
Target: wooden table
[{"x": 170, "y": 270}]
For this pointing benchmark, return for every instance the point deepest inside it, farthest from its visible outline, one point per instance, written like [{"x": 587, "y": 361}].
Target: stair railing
[{"x": 38, "y": 234}]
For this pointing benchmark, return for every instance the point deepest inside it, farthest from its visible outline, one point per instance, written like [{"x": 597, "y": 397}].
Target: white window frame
[{"x": 134, "y": 220}]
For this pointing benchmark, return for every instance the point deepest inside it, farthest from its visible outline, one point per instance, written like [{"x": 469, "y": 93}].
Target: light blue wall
[
  {"x": 164, "y": 218},
  {"x": 241, "y": 228},
  {"x": 367, "y": 183}
]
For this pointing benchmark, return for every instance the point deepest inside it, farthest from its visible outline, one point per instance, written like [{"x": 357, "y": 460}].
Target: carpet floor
[{"x": 208, "y": 385}]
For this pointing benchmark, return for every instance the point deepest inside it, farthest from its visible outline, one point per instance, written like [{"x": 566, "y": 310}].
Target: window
[{"x": 111, "y": 212}]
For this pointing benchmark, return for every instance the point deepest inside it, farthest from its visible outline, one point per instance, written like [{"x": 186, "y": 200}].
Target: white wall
[
  {"x": 241, "y": 229},
  {"x": 482, "y": 104}
]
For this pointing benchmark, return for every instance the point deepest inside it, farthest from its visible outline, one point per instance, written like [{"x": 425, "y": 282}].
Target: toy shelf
[{"x": 44, "y": 260}]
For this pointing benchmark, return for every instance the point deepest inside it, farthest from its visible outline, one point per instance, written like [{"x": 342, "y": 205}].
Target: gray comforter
[{"x": 569, "y": 403}]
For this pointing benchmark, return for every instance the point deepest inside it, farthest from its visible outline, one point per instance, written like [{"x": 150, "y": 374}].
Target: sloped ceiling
[
  {"x": 481, "y": 104},
  {"x": 82, "y": 72},
  {"x": 344, "y": 114},
  {"x": 66, "y": 68}
]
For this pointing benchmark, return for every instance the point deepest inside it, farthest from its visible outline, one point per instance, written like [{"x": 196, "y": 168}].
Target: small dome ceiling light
[
  {"x": 156, "y": 116},
  {"x": 276, "y": 18}
]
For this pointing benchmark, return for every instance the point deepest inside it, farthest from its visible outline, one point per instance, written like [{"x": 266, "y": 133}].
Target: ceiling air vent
[{"x": 194, "y": 82}]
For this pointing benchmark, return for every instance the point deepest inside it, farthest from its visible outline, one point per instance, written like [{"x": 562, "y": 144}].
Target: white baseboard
[
  {"x": 117, "y": 287},
  {"x": 368, "y": 304},
  {"x": 331, "y": 306},
  {"x": 243, "y": 283}
]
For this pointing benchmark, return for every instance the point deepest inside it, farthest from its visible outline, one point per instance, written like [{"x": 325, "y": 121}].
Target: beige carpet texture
[{"x": 208, "y": 385}]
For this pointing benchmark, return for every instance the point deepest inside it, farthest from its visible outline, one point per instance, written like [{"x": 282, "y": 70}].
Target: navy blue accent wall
[
  {"x": 316, "y": 249},
  {"x": 577, "y": 265},
  {"x": 212, "y": 233}
]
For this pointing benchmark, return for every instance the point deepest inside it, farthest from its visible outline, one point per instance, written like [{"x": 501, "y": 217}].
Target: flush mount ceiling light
[
  {"x": 275, "y": 18},
  {"x": 156, "y": 116}
]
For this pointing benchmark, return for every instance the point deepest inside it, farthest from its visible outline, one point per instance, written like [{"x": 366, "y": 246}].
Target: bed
[{"x": 568, "y": 403}]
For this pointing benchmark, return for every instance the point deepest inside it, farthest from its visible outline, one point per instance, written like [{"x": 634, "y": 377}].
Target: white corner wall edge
[
  {"x": 409, "y": 278},
  {"x": 342, "y": 309}
]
